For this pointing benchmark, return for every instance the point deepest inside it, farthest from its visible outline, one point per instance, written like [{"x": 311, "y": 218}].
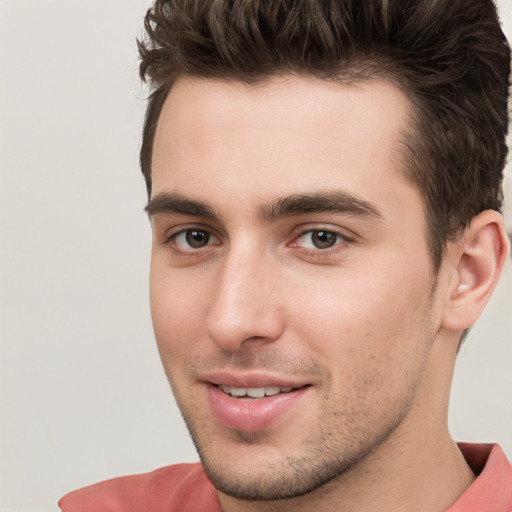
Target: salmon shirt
[{"x": 186, "y": 488}]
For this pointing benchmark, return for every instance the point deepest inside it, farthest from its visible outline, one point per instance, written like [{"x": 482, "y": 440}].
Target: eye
[
  {"x": 319, "y": 239},
  {"x": 194, "y": 239}
]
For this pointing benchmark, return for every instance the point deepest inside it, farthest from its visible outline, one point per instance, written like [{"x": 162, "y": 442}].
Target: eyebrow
[
  {"x": 320, "y": 202},
  {"x": 169, "y": 203},
  {"x": 293, "y": 205}
]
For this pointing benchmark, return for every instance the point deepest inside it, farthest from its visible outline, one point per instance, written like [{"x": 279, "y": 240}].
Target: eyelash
[
  {"x": 342, "y": 243},
  {"x": 170, "y": 240},
  {"x": 327, "y": 233},
  {"x": 342, "y": 240}
]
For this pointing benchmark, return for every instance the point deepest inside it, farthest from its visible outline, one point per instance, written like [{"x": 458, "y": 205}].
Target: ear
[{"x": 475, "y": 263}]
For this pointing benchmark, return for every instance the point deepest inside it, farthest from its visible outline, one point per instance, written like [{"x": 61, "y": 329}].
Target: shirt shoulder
[
  {"x": 492, "y": 489},
  {"x": 181, "y": 487}
]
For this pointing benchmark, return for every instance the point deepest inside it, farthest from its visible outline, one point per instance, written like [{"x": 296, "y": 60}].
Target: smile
[
  {"x": 254, "y": 408},
  {"x": 259, "y": 392}
]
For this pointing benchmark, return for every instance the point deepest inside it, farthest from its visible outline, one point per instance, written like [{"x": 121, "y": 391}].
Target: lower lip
[{"x": 251, "y": 415}]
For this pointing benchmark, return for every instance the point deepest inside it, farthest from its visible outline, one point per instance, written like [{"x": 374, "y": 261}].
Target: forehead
[{"x": 284, "y": 136}]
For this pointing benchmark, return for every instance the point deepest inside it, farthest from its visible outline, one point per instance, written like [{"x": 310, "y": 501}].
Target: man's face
[{"x": 292, "y": 292}]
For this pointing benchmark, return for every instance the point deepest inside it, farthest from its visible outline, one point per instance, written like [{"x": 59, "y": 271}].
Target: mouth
[
  {"x": 253, "y": 406},
  {"x": 255, "y": 392}
]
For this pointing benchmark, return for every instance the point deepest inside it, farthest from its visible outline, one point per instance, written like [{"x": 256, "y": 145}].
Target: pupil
[
  {"x": 324, "y": 239},
  {"x": 196, "y": 238}
]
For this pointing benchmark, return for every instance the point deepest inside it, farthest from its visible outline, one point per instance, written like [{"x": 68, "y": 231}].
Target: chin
[
  {"x": 290, "y": 479},
  {"x": 250, "y": 472}
]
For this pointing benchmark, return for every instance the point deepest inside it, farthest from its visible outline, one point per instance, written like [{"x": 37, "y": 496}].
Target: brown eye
[
  {"x": 319, "y": 239},
  {"x": 323, "y": 239},
  {"x": 194, "y": 239},
  {"x": 197, "y": 238}
]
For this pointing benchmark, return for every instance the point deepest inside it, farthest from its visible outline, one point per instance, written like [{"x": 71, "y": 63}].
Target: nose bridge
[{"x": 245, "y": 305}]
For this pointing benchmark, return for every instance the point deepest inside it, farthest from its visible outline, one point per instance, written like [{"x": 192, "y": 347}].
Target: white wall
[{"x": 82, "y": 394}]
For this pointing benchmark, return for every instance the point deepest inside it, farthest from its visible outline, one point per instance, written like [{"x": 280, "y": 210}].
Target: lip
[
  {"x": 254, "y": 414},
  {"x": 251, "y": 380}
]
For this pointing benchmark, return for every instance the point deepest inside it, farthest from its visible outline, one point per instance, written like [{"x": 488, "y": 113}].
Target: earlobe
[{"x": 478, "y": 259}]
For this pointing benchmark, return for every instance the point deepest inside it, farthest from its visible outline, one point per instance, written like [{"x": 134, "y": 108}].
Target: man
[{"x": 324, "y": 184}]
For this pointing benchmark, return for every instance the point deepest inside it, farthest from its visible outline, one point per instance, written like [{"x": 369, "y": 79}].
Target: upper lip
[{"x": 251, "y": 380}]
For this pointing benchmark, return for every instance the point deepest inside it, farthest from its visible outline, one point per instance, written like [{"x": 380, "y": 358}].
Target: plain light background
[{"x": 82, "y": 394}]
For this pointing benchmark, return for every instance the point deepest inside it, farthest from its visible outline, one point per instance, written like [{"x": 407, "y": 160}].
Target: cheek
[
  {"x": 373, "y": 337},
  {"x": 177, "y": 314},
  {"x": 370, "y": 312}
]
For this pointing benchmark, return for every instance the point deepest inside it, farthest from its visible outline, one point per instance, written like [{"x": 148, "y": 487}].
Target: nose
[{"x": 245, "y": 307}]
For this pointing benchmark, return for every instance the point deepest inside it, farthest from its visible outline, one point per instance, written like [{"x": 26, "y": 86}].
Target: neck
[{"x": 418, "y": 467}]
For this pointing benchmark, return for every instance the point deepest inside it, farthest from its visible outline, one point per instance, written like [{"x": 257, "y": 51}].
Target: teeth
[
  {"x": 273, "y": 390},
  {"x": 254, "y": 392}
]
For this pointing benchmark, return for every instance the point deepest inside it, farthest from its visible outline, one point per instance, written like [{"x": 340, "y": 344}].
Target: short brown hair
[{"x": 449, "y": 56}]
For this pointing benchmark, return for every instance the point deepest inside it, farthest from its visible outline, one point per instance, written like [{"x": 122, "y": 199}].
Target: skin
[{"x": 362, "y": 324}]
